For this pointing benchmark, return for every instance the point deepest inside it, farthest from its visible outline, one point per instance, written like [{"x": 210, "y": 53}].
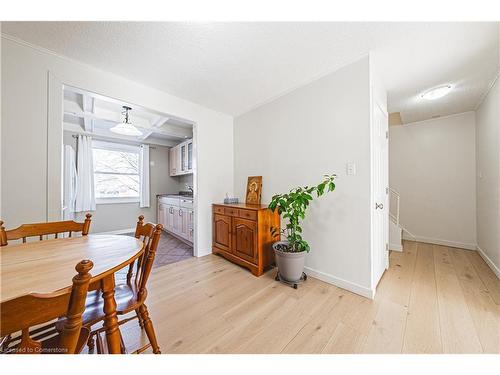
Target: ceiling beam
[
  {"x": 88, "y": 106},
  {"x": 155, "y": 125},
  {"x": 88, "y": 115},
  {"x": 99, "y": 134},
  {"x": 145, "y": 135}
]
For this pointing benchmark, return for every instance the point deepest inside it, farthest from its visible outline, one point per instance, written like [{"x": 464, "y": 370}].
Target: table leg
[{"x": 113, "y": 337}]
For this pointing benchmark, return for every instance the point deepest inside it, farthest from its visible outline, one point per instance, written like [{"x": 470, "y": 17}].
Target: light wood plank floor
[{"x": 433, "y": 299}]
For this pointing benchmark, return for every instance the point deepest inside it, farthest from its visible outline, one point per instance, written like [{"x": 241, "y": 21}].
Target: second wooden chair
[
  {"x": 44, "y": 229},
  {"x": 130, "y": 295}
]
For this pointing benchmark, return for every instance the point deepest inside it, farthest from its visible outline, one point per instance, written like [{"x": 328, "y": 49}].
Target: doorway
[{"x": 94, "y": 116}]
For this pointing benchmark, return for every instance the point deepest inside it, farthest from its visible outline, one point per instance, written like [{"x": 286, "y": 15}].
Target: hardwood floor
[{"x": 433, "y": 299}]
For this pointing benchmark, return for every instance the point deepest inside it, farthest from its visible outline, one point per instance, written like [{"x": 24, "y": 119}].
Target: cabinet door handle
[{"x": 180, "y": 213}]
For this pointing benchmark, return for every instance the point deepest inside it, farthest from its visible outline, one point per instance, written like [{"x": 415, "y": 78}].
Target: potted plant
[{"x": 290, "y": 254}]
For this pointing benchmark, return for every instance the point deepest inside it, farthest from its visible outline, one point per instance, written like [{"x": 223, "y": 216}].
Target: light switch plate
[{"x": 351, "y": 168}]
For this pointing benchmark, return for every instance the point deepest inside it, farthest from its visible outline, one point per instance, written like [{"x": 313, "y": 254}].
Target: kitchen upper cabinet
[
  {"x": 183, "y": 153},
  {"x": 174, "y": 156},
  {"x": 181, "y": 159},
  {"x": 190, "y": 156}
]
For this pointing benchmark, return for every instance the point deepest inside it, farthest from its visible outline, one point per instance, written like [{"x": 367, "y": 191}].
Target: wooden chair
[
  {"x": 22, "y": 313},
  {"x": 131, "y": 295},
  {"x": 42, "y": 229}
]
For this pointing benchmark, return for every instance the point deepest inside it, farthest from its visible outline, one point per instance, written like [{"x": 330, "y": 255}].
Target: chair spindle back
[
  {"x": 42, "y": 229},
  {"x": 150, "y": 234}
]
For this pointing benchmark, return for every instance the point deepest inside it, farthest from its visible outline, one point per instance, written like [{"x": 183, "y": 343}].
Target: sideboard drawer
[
  {"x": 248, "y": 214},
  {"x": 231, "y": 211},
  {"x": 219, "y": 210}
]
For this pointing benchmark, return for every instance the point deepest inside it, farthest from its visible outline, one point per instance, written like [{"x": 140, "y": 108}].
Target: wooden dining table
[{"x": 49, "y": 266}]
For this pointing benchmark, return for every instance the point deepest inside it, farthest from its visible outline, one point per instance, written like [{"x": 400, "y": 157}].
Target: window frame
[{"x": 112, "y": 146}]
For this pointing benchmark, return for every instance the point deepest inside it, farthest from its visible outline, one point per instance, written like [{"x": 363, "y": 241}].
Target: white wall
[
  {"x": 296, "y": 139},
  {"x": 432, "y": 166},
  {"x": 488, "y": 177},
  {"x": 28, "y": 182}
]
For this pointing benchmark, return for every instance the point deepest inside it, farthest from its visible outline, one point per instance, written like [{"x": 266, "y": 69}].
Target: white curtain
[
  {"x": 85, "y": 196},
  {"x": 70, "y": 177},
  {"x": 144, "y": 183}
]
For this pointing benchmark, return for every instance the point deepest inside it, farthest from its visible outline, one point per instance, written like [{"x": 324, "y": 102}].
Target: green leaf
[{"x": 293, "y": 205}]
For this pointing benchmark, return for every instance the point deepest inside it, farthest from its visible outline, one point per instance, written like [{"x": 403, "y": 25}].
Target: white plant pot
[{"x": 290, "y": 265}]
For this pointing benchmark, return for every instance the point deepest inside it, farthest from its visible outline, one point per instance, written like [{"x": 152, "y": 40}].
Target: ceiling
[
  {"x": 234, "y": 67},
  {"x": 96, "y": 114}
]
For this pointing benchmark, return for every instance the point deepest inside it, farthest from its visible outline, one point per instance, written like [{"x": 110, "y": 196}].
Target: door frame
[
  {"x": 55, "y": 131},
  {"x": 376, "y": 104}
]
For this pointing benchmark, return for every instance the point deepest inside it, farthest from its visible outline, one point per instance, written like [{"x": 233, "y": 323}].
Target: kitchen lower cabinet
[
  {"x": 183, "y": 223},
  {"x": 190, "y": 222},
  {"x": 177, "y": 220},
  {"x": 169, "y": 221},
  {"x": 242, "y": 234}
]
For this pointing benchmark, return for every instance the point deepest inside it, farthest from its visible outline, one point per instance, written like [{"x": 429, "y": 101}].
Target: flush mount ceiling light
[
  {"x": 436, "y": 92},
  {"x": 126, "y": 128}
]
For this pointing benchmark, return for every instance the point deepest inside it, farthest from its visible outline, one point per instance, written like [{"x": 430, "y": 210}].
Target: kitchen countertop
[{"x": 175, "y": 196}]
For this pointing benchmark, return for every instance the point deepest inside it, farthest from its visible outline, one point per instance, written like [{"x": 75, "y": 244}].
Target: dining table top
[{"x": 49, "y": 266}]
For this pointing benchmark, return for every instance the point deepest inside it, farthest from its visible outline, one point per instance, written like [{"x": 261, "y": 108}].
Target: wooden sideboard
[{"x": 241, "y": 234}]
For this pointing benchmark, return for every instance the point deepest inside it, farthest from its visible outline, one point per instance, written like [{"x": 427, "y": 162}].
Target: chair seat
[{"x": 126, "y": 301}]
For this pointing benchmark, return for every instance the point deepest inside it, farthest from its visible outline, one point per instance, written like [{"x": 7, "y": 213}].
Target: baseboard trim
[
  {"x": 437, "y": 241},
  {"x": 489, "y": 262},
  {"x": 396, "y": 247},
  {"x": 119, "y": 231},
  {"x": 341, "y": 283}
]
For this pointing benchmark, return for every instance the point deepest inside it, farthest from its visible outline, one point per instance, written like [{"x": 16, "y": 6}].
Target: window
[{"x": 116, "y": 172}]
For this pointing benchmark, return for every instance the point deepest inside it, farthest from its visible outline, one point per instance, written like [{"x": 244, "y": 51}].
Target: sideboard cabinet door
[
  {"x": 245, "y": 239},
  {"x": 222, "y": 232}
]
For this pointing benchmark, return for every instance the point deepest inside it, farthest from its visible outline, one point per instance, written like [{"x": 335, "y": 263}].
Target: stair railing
[{"x": 394, "y": 208}]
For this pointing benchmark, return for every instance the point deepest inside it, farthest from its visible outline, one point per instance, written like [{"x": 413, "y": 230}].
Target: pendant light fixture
[{"x": 126, "y": 128}]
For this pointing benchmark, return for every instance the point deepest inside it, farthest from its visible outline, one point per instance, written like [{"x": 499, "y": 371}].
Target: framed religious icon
[{"x": 254, "y": 189}]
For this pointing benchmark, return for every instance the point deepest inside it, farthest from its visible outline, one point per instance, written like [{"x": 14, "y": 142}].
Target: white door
[{"x": 380, "y": 179}]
